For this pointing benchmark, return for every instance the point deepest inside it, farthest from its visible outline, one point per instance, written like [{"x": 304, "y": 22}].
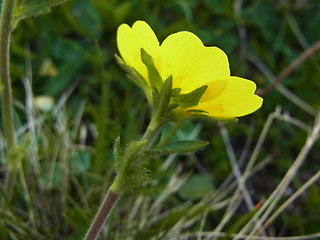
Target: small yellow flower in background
[{"x": 191, "y": 65}]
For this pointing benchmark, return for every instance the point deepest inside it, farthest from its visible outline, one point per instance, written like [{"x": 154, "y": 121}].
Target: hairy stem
[
  {"x": 102, "y": 215},
  {"x": 116, "y": 189},
  {"x": 152, "y": 129},
  {"x": 7, "y": 106}
]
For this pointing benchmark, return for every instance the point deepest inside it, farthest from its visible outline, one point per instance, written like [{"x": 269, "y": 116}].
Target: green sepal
[
  {"x": 133, "y": 75},
  {"x": 161, "y": 109},
  {"x": 172, "y": 106},
  {"x": 201, "y": 114},
  {"x": 136, "y": 78},
  {"x": 190, "y": 99},
  {"x": 175, "y": 92},
  {"x": 198, "y": 114},
  {"x": 228, "y": 121},
  {"x": 31, "y": 8},
  {"x": 197, "y": 111},
  {"x": 153, "y": 74},
  {"x": 165, "y": 94},
  {"x": 181, "y": 147},
  {"x": 155, "y": 98}
]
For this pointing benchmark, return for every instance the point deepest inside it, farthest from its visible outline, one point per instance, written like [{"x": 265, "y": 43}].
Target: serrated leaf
[
  {"x": 190, "y": 99},
  {"x": 31, "y": 8},
  {"x": 154, "y": 76},
  {"x": 182, "y": 147},
  {"x": 135, "y": 177}
]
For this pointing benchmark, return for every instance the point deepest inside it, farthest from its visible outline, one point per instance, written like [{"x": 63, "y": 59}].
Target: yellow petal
[
  {"x": 215, "y": 88},
  {"x": 191, "y": 64},
  {"x": 131, "y": 40},
  {"x": 235, "y": 100}
]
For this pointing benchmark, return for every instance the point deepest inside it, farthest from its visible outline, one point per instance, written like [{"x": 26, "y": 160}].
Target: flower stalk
[
  {"x": 6, "y": 93},
  {"x": 129, "y": 173},
  {"x": 121, "y": 182},
  {"x": 102, "y": 215}
]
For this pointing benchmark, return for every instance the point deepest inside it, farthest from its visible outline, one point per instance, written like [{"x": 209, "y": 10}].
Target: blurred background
[{"x": 67, "y": 85}]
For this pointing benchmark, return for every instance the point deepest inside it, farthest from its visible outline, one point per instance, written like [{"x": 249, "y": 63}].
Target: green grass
[{"x": 270, "y": 158}]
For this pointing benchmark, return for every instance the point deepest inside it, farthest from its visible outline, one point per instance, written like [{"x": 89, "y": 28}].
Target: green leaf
[
  {"x": 190, "y": 99},
  {"x": 182, "y": 147},
  {"x": 154, "y": 76},
  {"x": 136, "y": 176},
  {"x": 130, "y": 173},
  {"x": 131, "y": 177},
  {"x": 31, "y": 8}
]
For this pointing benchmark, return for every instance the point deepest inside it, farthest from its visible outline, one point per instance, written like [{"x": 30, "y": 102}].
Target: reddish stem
[{"x": 102, "y": 215}]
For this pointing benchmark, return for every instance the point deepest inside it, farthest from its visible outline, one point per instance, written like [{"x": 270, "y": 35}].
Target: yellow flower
[{"x": 191, "y": 65}]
